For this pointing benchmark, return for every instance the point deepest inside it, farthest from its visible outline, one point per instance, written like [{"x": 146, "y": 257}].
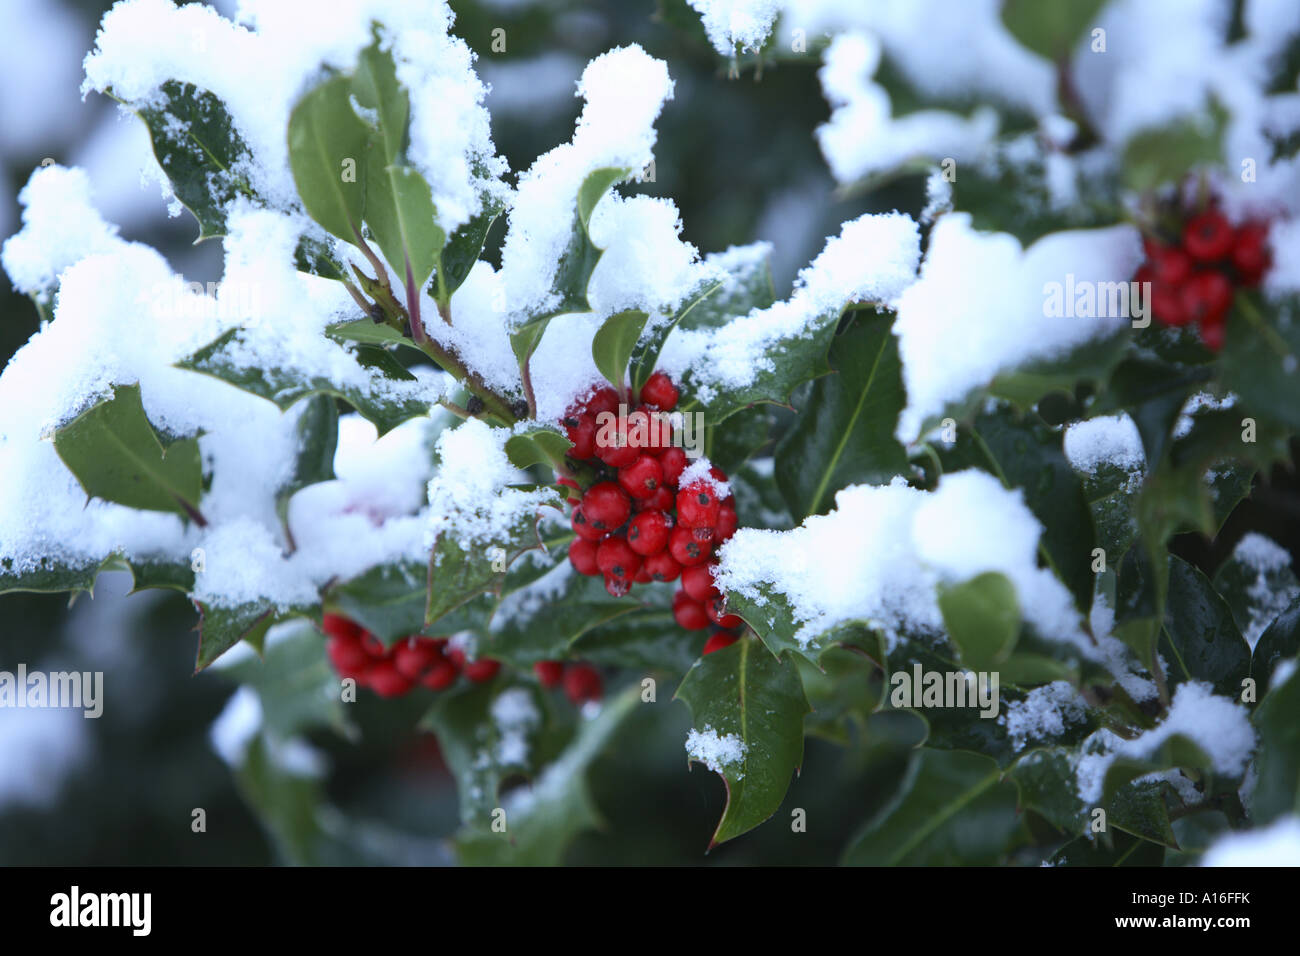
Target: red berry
[
  {"x": 583, "y": 436},
  {"x": 387, "y": 681},
  {"x": 673, "y": 463},
  {"x": 648, "y": 532},
  {"x": 660, "y": 434},
  {"x": 616, "y": 559},
  {"x": 727, "y": 522},
  {"x": 336, "y": 625},
  {"x": 618, "y": 587},
  {"x": 697, "y": 506},
  {"x": 549, "y": 673},
  {"x": 1213, "y": 333},
  {"x": 642, "y": 575},
  {"x": 603, "y": 400},
  {"x": 698, "y": 582},
  {"x": 642, "y": 478},
  {"x": 582, "y": 555},
  {"x": 582, "y": 683},
  {"x": 441, "y": 675},
  {"x": 482, "y": 670},
  {"x": 583, "y": 527},
  {"x": 347, "y": 655},
  {"x": 662, "y": 500},
  {"x": 605, "y": 507},
  {"x": 1250, "y": 252},
  {"x": 1166, "y": 263},
  {"x": 662, "y": 567},
  {"x": 1207, "y": 296},
  {"x": 660, "y": 392},
  {"x": 685, "y": 549},
  {"x": 413, "y": 656},
  {"x": 1208, "y": 237},
  {"x": 689, "y": 614},
  {"x": 374, "y": 646},
  {"x": 719, "y": 640},
  {"x": 716, "y": 608},
  {"x": 1167, "y": 304}
]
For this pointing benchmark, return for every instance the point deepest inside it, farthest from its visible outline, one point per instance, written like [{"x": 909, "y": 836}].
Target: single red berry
[
  {"x": 582, "y": 555},
  {"x": 1250, "y": 255},
  {"x": 413, "y": 656},
  {"x": 347, "y": 655},
  {"x": 660, "y": 435},
  {"x": 642, "y": 478},
  {"x": 698, "y": 582},
  {"x": 685, "y": 550},
  {"x": 716, "y": 608},
  {"x": 689, "y": 614},
  {"x": 1208, "y": 237},
  {"x": 697, "y": 506},
  {"x": 603, "y": 400},
  {"x": 482, "y": 670},
  {"x": 441, "y": 675},
  {"x": 1207, "y": 296},
  {"x": 719, "y": 640},
  {"x": 642, "y": 575},
  {"x": 1167, "y": 304},
  {"x": 606, "y": 506},
  {"x": 387, "y": 681},
  {"x": 583, "y": 435},
  {"x": 616, "y": 559},
  {"x": 374, "y": 646},
  {"x": 549, "y": 673},
  {"x": 336, "y": 625},
  {"x": 1165, "y": 263},
  {"x": 613, "y": 446},
  {"x": 640, "y": 428},
  {"x": 660, "y": 392},
  {"x": 583, "y": 527},
  {"x": 662, "y": 567},
  {"x": 582, "y": 683},
  {"x": 648, "y": 532},
  {"x": 662, "y": 500},
  {"x": 673, "y": 463},
  {"x": 727, "y": 523}
]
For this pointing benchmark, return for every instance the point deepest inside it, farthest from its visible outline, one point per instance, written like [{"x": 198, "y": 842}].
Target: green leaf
[
  {"x": 1200, "y": 640},
  {"x": 369, "y": 332},
  {"x": 982, "y": 616},
  {"x": 45, "y": 574},
  {"x": 1122, "y": 850},
  {"x": 1046, "y": 783},
  {"x": 537, "y": 446},
  {"x": 1260, "y": 357},
  {"x": 576, "y": 264},
  {"x": 315, "y": 258},
  {"x": 1177, "y": 751},
  {"x": 541, "y": 821},
  {"x": 646, "y": 356},
  {"x": 462, "y": 250},
  {"x": 117, "y": 455},
  {"x": 221, "y": 628},
  {"x": 1165, "y": 155},
  {"x": 327, "y": 142},
  {"x": 646, "y": 639},
  {"x": 954, "y": 808},
  {"x": 1280, "y": 641},
  {"x": 744, "y": 691},
  {"x": 389, "y": 600},
  {"x": 376, "y": 89},
  {"x": 844, "y": 434},
  {"x": 197, "y": 146},
  {"x": 400, "y": 212},
  {"x": 1278, "y": 721},
  {"x": 298, "y": 688},
  {"x": 1049, "y": 29},
  {"x": 1089, "y": 364},
  {"x": 1256, "y": 591},
  {"x": 391, "y": 396},
  {"x": 1153, "y": 393},
  {"x": 613, "y": 343},
  {"x": 1140, "y": 809}
]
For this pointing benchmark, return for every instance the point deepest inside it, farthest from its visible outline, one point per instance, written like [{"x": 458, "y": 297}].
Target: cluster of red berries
[
  {"x": 581, "y": 682},
  {"x": 1195, "y": 278},
  {"x": 638, "y": 522},
  {"x": 393, "y": 671}
]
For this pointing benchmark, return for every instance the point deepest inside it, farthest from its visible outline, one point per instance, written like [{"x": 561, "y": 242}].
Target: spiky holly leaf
[
  {"x": 221, "y": 628},
  {"x": 1257, "y": 589},
  {"x": 1200, "y": 640},
  {"x": 743, "y": 694}
]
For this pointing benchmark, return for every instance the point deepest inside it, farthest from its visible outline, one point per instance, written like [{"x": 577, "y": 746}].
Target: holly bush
[{"x": 931, "y": 507}]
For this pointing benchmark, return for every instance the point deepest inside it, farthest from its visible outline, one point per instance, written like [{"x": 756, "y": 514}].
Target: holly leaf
[
  {"x": 49, "y": 574},
  {"x": 537, "y": 446},
  {"x": 1046, "y": 783},
  {"x": 462, "y": 250},
  {"x": 116, "y": 455},
  {"x": 645, "y": 354},
  {"x": 221, "y": 628},
  {"x": 389, "y": 600},
  {"x": 401, "y": 214},
  {"x": 1280, "y": 641},
  {"x": 982, "y": 617},
  {"x": 954, "y": 808},
  {"x": 844, "y": 433},
  {"x": 390, "y": 396},
  {"x": 612, "y": 345},
  {"x": 1261, "y": 353},
  {"x": 745, "y": 692},
  {"x": 1277, "y": 718},
  {"x": 1200, "y": 640},
  {"x": 317, "y": 431},
  {"x": 1049, "y": 29},
  {"x": 1166, "y": 154},
  {"x": 327, "y": 153}
]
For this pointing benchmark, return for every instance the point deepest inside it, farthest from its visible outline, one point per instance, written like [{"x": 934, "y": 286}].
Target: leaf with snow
[
  {"x": 327, "y": 151},
  {"x": 753, "y": 707}
]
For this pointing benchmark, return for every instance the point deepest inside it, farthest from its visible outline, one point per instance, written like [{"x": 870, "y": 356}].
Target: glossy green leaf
[
  {"x": 462, "y": 250},
  {"x": 1277, "y": 720},
  {"x": 317, "y": 431},
  {"x": 982, "y": 617},
  {"x": 1200, "y": 640},
  {"x": 613, "y": 343},
  {"x": 1260, "y": 357},
  {"x": 1280, "y": 641},
  {"x": 221, "y": 628},
  {"x": 539, "y": 446},
  {"x": 744, "y": 691},
  {"x": 1165, "y": 155},
  {"x": 645, "y": 356},
  {"x": 327, "y": 152},
  {"x": 400, "y": 212},
  {"x": 1050, "y": 29},
  {"x": 117, "y": 455},
  {"x": 844, "y": 434}
]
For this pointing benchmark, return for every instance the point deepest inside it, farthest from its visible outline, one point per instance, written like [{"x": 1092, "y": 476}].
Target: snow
[
  {"x": 234, "y": 729},
  {"x": 1277, "y": 844},
  {"x": 1273, "y": 588},
  {"x": 40, "y": 748},
  {"x": 699, "y": 472},
  {"x": 732, "y": 23},
  {"x": 716, "y": 751},
  {"x": 515, "y": 717},
  {"x": 879, "y": 556},
  {"x": 1107, "y": 440},
  {"x": 979, "y": 308},
  {"x": 1044, "y": 713}
]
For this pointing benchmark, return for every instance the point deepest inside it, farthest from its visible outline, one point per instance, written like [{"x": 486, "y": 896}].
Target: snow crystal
[
  {"x": 700, "y": 472},
  {"x": 979, "y": 308},
  {"x": 716, "y": 751},
  {"x": 1045, "y": 712},
  {"x": 1108, "y": 440},
  {"x": 732, "y": 23},
  {"x": 1277, "y": 844},
  {"x": 515, "y": 717},
  {"x": 1201, "y": 401}
]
